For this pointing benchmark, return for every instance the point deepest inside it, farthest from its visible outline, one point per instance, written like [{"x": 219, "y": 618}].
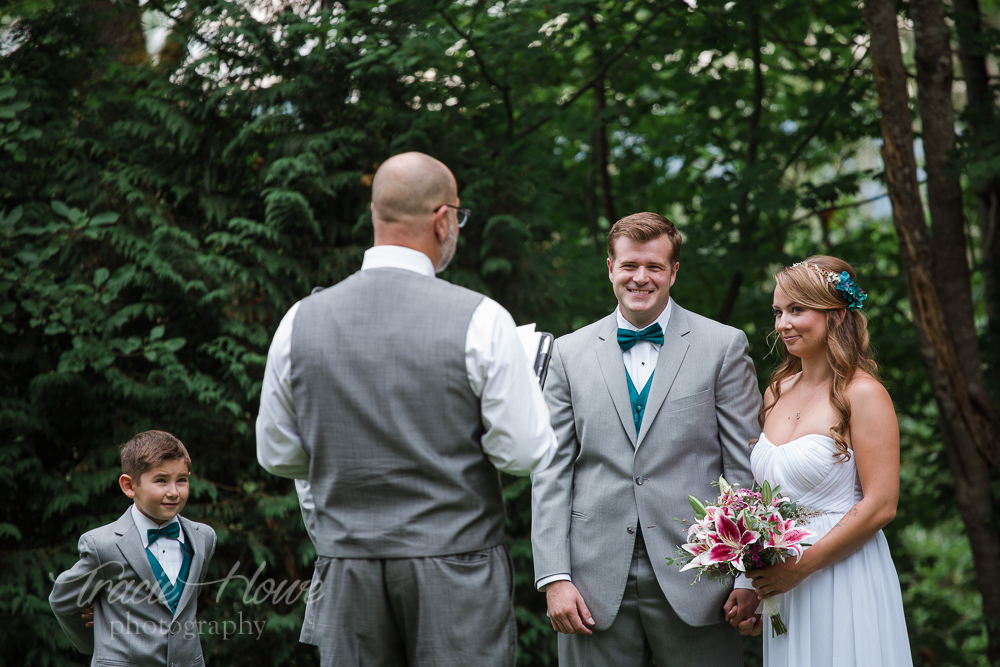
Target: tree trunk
[
  {"x": 969, "y": 425},
  {"x": 980, "y": 115},
  {"x": 600, "y": 135},
  {"x": 944, "y": 190},
  {"x": 118, "y": 26},
  {"x": 601, "y": 154},
  {"x": 747, "y": 218}
]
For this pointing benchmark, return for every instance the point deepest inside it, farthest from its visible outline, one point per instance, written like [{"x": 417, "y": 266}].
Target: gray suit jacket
[
  {"x": 700, "y": 417},
  {"x": 132, "y": 623}
]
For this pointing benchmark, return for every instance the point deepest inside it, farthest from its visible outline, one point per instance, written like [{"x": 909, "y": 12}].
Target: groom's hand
[
  {"x": 568, "y": 612},
  {"x": 740, "y": 611}
]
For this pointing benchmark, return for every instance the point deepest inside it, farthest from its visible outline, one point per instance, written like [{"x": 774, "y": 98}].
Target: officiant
[{"x": 398, "y": 396}]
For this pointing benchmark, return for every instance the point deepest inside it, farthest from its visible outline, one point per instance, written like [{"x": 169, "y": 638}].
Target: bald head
[{"x": 409, "y": 187}]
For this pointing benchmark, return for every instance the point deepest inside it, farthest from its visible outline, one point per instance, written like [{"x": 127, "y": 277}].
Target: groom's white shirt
[
  {"x": 640, "y": 361},
  {"x": 518, "y": 438}
]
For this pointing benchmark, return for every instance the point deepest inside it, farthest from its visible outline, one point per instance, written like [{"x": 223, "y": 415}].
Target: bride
[{"x": 831, "y": 440}]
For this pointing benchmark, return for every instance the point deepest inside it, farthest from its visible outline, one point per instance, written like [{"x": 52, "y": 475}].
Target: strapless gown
[{"x": 849, "y": 613}]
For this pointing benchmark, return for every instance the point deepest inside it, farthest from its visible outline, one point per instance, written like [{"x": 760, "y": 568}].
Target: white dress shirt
[
  {"x": 518, "y": 438},
  {"x": 166, "y": 550},
  {"x": 640, "y": 362}
]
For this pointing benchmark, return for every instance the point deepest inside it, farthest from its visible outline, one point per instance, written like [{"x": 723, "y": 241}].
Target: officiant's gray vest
[{"x": 386, "y": 413}]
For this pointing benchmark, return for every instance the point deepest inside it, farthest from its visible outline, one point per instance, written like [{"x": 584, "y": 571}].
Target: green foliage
[
  {"x": 157, "y": 220},
  {"x": 939, "y": 593}
]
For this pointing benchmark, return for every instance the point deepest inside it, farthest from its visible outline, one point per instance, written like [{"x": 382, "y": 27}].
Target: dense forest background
[{"x": 175, "y": 174}]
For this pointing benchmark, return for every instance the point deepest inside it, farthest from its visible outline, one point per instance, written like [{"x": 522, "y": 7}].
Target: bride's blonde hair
[{"x": 812, "y": 284}]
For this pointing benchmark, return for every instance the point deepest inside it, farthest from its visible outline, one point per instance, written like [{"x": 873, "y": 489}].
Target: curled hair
[
  {"x": 149, "y": 449},
  {"x": 847, "y": 348},
  {"x": 644, "y": 227}
]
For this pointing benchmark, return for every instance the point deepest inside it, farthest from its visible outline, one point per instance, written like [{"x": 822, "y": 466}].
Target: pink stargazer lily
[
  {"x": 730, "y": 540},
  {"x": 786, "y": 536},
  {"x": 700, "y": 552},
  {"x": 721, "y": 535}
]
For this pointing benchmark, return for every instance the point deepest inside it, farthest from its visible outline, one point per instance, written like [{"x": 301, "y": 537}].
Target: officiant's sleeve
[
  {"x": 279, "y": 446},
  {"x": 552, "y": 488},
  {"x": 518, "y": 439},
  {"x": 737, "y": 403}
]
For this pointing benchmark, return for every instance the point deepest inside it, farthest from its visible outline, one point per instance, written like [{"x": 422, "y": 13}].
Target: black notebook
[{"x": 538, "y": 347}]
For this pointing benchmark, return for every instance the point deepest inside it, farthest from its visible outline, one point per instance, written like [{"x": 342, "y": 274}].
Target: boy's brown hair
[{"x": 149, "y": 449}]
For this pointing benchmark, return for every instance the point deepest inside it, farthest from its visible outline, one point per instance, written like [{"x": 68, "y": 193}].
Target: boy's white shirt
[{"x": 166, "y": 550}]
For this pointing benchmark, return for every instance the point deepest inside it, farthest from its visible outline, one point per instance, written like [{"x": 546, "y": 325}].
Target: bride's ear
[{"x": 841, "y": 313}]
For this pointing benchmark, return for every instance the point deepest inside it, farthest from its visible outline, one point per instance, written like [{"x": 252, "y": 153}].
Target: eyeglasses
[{"x": 463, "y": 215}]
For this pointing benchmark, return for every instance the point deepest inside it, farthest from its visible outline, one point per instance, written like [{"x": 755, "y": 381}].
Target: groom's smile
[{"x": 642, "y": 273}]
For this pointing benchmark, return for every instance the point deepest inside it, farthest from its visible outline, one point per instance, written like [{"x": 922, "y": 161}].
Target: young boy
[{"x": 140, "y": 573}]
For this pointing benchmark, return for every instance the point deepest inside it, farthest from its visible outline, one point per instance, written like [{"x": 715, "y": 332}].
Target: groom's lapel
[
  {"x": 609, "y": 355},
  {"x": 668, "y": 363}
]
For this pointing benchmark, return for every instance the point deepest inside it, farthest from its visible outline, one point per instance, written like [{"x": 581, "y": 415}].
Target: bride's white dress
[{"x": 849, "y": 613}]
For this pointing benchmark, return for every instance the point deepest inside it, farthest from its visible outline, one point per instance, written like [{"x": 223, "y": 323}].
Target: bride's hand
[
  {"x": 778, "y": 579},
  {"x": 740, "y": 611}
]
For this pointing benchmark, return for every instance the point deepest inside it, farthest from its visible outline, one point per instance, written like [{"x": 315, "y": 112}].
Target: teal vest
[
  {"x": 638, "y": 401},
  {"x": 638, "y": 409},
  {"x": 172, "y": 591}
]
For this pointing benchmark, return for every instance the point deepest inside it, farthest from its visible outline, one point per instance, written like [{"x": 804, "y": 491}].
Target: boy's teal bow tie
[
  {"x": 628, "y": 338},
  {"x": 173, "y": 530}
]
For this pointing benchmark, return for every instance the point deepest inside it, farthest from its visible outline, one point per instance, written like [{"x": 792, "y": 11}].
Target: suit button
[
  {"x": 631, "y": 530},
  {"x": 175, "y": 627},
  {"x": 639, "y": 480}
]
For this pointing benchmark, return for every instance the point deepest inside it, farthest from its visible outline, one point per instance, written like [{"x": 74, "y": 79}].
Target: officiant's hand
[
  {"x": 779, "y": 578},
  {"x": 568, "y": 612},
  {"x": 740, "y": 611}
]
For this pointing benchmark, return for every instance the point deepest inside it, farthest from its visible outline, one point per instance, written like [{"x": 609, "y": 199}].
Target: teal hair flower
[{"x": 850, "y": 290}]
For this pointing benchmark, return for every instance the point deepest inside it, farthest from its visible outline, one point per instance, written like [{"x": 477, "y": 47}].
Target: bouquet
[{"x": 743, "y": 529}]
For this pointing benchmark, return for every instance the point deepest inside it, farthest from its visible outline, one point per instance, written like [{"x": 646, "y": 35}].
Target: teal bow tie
[
  {"x": 628, "y": 338},
  {"x": 173, "y": 530}
]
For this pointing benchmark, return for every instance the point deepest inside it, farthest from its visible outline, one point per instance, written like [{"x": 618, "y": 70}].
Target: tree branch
[
  {"x": 504, "y": 89},
  {"x": 822, "y": 121},
  {"x": 601, "y": 71}
]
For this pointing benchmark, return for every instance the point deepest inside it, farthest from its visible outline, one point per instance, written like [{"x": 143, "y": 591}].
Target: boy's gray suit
[
  {"x": 606, "y": 479},
  {"x": 135, "y": 626}
]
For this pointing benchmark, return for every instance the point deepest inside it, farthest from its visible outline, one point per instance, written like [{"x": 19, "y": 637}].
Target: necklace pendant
[{"x": 797, "y": 415}]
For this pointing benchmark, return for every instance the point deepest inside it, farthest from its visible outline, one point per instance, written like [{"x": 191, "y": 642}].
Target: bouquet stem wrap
[{"x": 771, "y": 607}]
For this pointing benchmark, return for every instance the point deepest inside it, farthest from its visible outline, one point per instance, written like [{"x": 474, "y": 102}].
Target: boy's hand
[{"x": 88, "y": 615}]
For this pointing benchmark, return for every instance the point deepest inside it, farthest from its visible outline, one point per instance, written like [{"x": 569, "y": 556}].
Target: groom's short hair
[{"x": 644, "y": 227}]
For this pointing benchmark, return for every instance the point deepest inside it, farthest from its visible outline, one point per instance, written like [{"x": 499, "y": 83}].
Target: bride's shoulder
[{"x": 864, "y": 388}]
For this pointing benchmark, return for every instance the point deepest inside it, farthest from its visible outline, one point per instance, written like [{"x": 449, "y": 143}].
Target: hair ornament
[{"x": 849, "y": 289}]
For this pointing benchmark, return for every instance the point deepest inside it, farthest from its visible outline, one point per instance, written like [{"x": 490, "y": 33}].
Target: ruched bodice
[
  {"x": 810, "y": 472},
  {"x": 849, "y": 613}
]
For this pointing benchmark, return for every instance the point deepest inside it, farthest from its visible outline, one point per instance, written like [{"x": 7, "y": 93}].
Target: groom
[{"x": 649, "y": 404}]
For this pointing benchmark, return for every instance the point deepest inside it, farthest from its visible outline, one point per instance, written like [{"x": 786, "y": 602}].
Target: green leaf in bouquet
[
  {"x": 789, "y": 509},
  {"x": 699, "y": 509},
  {"x": 765, "y": 493}
]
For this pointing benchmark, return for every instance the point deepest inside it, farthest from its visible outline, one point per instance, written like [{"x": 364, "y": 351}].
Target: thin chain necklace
[{"x": 811, "y": 397}]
